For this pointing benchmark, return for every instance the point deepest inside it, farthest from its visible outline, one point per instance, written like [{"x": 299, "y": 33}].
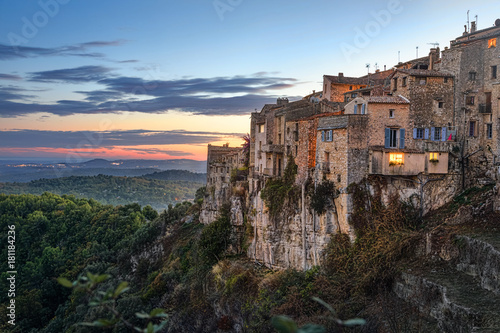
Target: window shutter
[
  {"x": 443, "y": 134},
  {"x": 415, "y": 133},
  {"x": 401, "y": 138},
  {"x": 355, "y": 108},
  {"x": 387, "y": 138},
  {"x": 363, "y": 109},
  {"x": 322, "y": 135},
  {"x": 433, "y": 130},
  {"x": 426, "y": 134}
]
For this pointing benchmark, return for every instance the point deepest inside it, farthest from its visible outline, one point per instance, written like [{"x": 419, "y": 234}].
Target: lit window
[
  {"x": 395, "y": 159},
  {"x": 492, "y": 43},
  {"x": 433, "y": 157}
]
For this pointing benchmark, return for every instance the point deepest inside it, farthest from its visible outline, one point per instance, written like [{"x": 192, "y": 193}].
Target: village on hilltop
[{"x": 424, "y": 130}]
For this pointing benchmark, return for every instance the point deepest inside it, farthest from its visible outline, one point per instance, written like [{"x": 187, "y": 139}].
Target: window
[
  {"x": 423, "y": 81},
  {"x": 472, "y": 128},
  {"x": 440, "y": 105},
  {"x": 437, "y": 134},
  {"x": 391, "y": 113},
  {"x": 296, "y": 150},
  {"x": 329, "y": 135},
  {"x": 493, "y": 72},
  {"x": 393, "y": 140},
  {"x": 404, "y": 82},
  {"x": 469, "y": 100},
  {"x": 260, "y": 128},
  {"x": 492, "y": 43},
  {"x": 396, "y": 159},
  {"x": 350, "y": 88},
  {"x": 418, "y": 133},
  {"x": 472, "y": 76},
  {"x": 279, "y": 138},
  {"x": 489, "y": 131},
  {"x": 434, "y": 157},
  {"x": 445, "y": 80},
  {"x": 395, "y": 86},
  {"x": 288, "y": 150}
]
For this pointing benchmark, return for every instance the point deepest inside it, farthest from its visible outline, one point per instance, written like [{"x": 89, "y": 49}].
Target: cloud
[
  {"x": 79, "y": 50},
  {"x": 208, "y": 96},
  {"x": 106, "y": 139},
  {"x": 72, "y": 75},
  {"x": 14, "y": 93},
  {"x": 10, "y": 77},
  {"x": 154, "y": 151}
]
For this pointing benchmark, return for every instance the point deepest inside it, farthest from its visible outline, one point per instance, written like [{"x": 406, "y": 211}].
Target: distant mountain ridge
[{"x": 26, "y": 172}]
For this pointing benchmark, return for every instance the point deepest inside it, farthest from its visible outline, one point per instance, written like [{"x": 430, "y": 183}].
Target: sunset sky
[{"x": 160, "y": 79}]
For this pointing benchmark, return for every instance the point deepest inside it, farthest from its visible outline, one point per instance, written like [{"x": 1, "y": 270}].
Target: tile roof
[
  {"x": 388, "y": 100},
  {"x": 346, "y": 79},
  {"x": 424, "y": 72}
]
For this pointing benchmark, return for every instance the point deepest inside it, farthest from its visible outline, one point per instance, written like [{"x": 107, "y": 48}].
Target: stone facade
[{"x": 423, "y": 130}]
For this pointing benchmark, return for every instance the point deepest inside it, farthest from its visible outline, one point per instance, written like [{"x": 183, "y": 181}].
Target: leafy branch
[
  {"x": 284, "y": 324},
  {"x": 108, "y": 300}
]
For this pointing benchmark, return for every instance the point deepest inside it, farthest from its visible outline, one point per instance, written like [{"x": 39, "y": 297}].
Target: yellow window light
[
  {"x": 396, "y": 158},
  {"x": 492, "y": 43}
]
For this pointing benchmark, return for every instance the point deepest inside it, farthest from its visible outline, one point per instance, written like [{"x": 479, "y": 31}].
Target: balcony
[
  {"x": 408, "y": 164},
  {"x": 484, "y": 108},
  {"x": 273, "y": 148}
]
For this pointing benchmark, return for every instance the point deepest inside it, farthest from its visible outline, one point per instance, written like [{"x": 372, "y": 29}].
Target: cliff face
[{"x": 297, "y": 236}]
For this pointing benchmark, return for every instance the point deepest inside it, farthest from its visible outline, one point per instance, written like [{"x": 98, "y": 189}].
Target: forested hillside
[{"x": 113, "y": 190}]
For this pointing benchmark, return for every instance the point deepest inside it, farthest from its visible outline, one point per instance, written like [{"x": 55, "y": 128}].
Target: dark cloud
[
  {"x": 209, "y": 96},
  {"x": 72, "y": 75},
  {"x": 14, "y": 93},
  {"x": 127, "y": 61},
  {"x": 10, "y": 77},
  {"x": 105, "y": 139},
  {"x": 79, "y": 50}
]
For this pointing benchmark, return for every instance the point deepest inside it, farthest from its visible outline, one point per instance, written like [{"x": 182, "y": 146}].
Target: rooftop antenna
[
  {"x": 468, "y": 23},
  {"x": 376, "y": 66},
  {"x": 368, "y": 68},
  {"x": 436, "y": 44},
  {"x": 417, "y": 51},
  {"x": 477, "y": 26}
]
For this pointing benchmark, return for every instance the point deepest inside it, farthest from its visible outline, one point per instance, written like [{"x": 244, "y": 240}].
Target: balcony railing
[{"x": 484, "y": 108}]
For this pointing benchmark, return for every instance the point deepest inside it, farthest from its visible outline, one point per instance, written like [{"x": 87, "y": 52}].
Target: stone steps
[
  {"x": 453, "y": 298},
  {"x": 463, "y": 295}
]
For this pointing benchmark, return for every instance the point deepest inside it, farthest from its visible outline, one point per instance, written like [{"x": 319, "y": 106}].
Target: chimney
[
  {"x": 341, "y": 74},
  {"x": 473, "y": 27},
  {"x": 385, "y": 67},
  {"x": 433, "y": 57}
]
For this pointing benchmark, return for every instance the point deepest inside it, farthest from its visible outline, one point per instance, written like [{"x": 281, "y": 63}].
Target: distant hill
[
  {"x": 113, "y": 190},
  {"x": 177, "y": 175},
  {"x": 25, "y": 172}
]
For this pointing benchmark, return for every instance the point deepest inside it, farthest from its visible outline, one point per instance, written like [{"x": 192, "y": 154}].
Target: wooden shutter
[
  {"x": 443, "y": 134},
  {"x": 433, "y": 130},
  {"x": 426, "y": 134},
  {"x": 387, "y": 138},
  {"x": 415, "y": 133},
  {"x": 401, "y": 138}
]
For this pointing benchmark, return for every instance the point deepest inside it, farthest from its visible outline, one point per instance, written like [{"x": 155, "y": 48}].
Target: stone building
[
  {"x": 474, "y": 59},
  {"x": 424, "y": 130}
]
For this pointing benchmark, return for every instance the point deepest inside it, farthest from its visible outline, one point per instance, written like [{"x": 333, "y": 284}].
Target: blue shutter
[
  {"x": 433, "y": 130},
  {"x": 355, "y": 108},
  {"x": 426, "y": 134},
  {"x": 387, "y": 138},
  {"x": 443, "y": 134},
  {"x": 322, "y": 135},
  {"x": 415, "y": 133},
  {"x": 401, "y": 138},
  {"x": 363, "y": 109}
]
